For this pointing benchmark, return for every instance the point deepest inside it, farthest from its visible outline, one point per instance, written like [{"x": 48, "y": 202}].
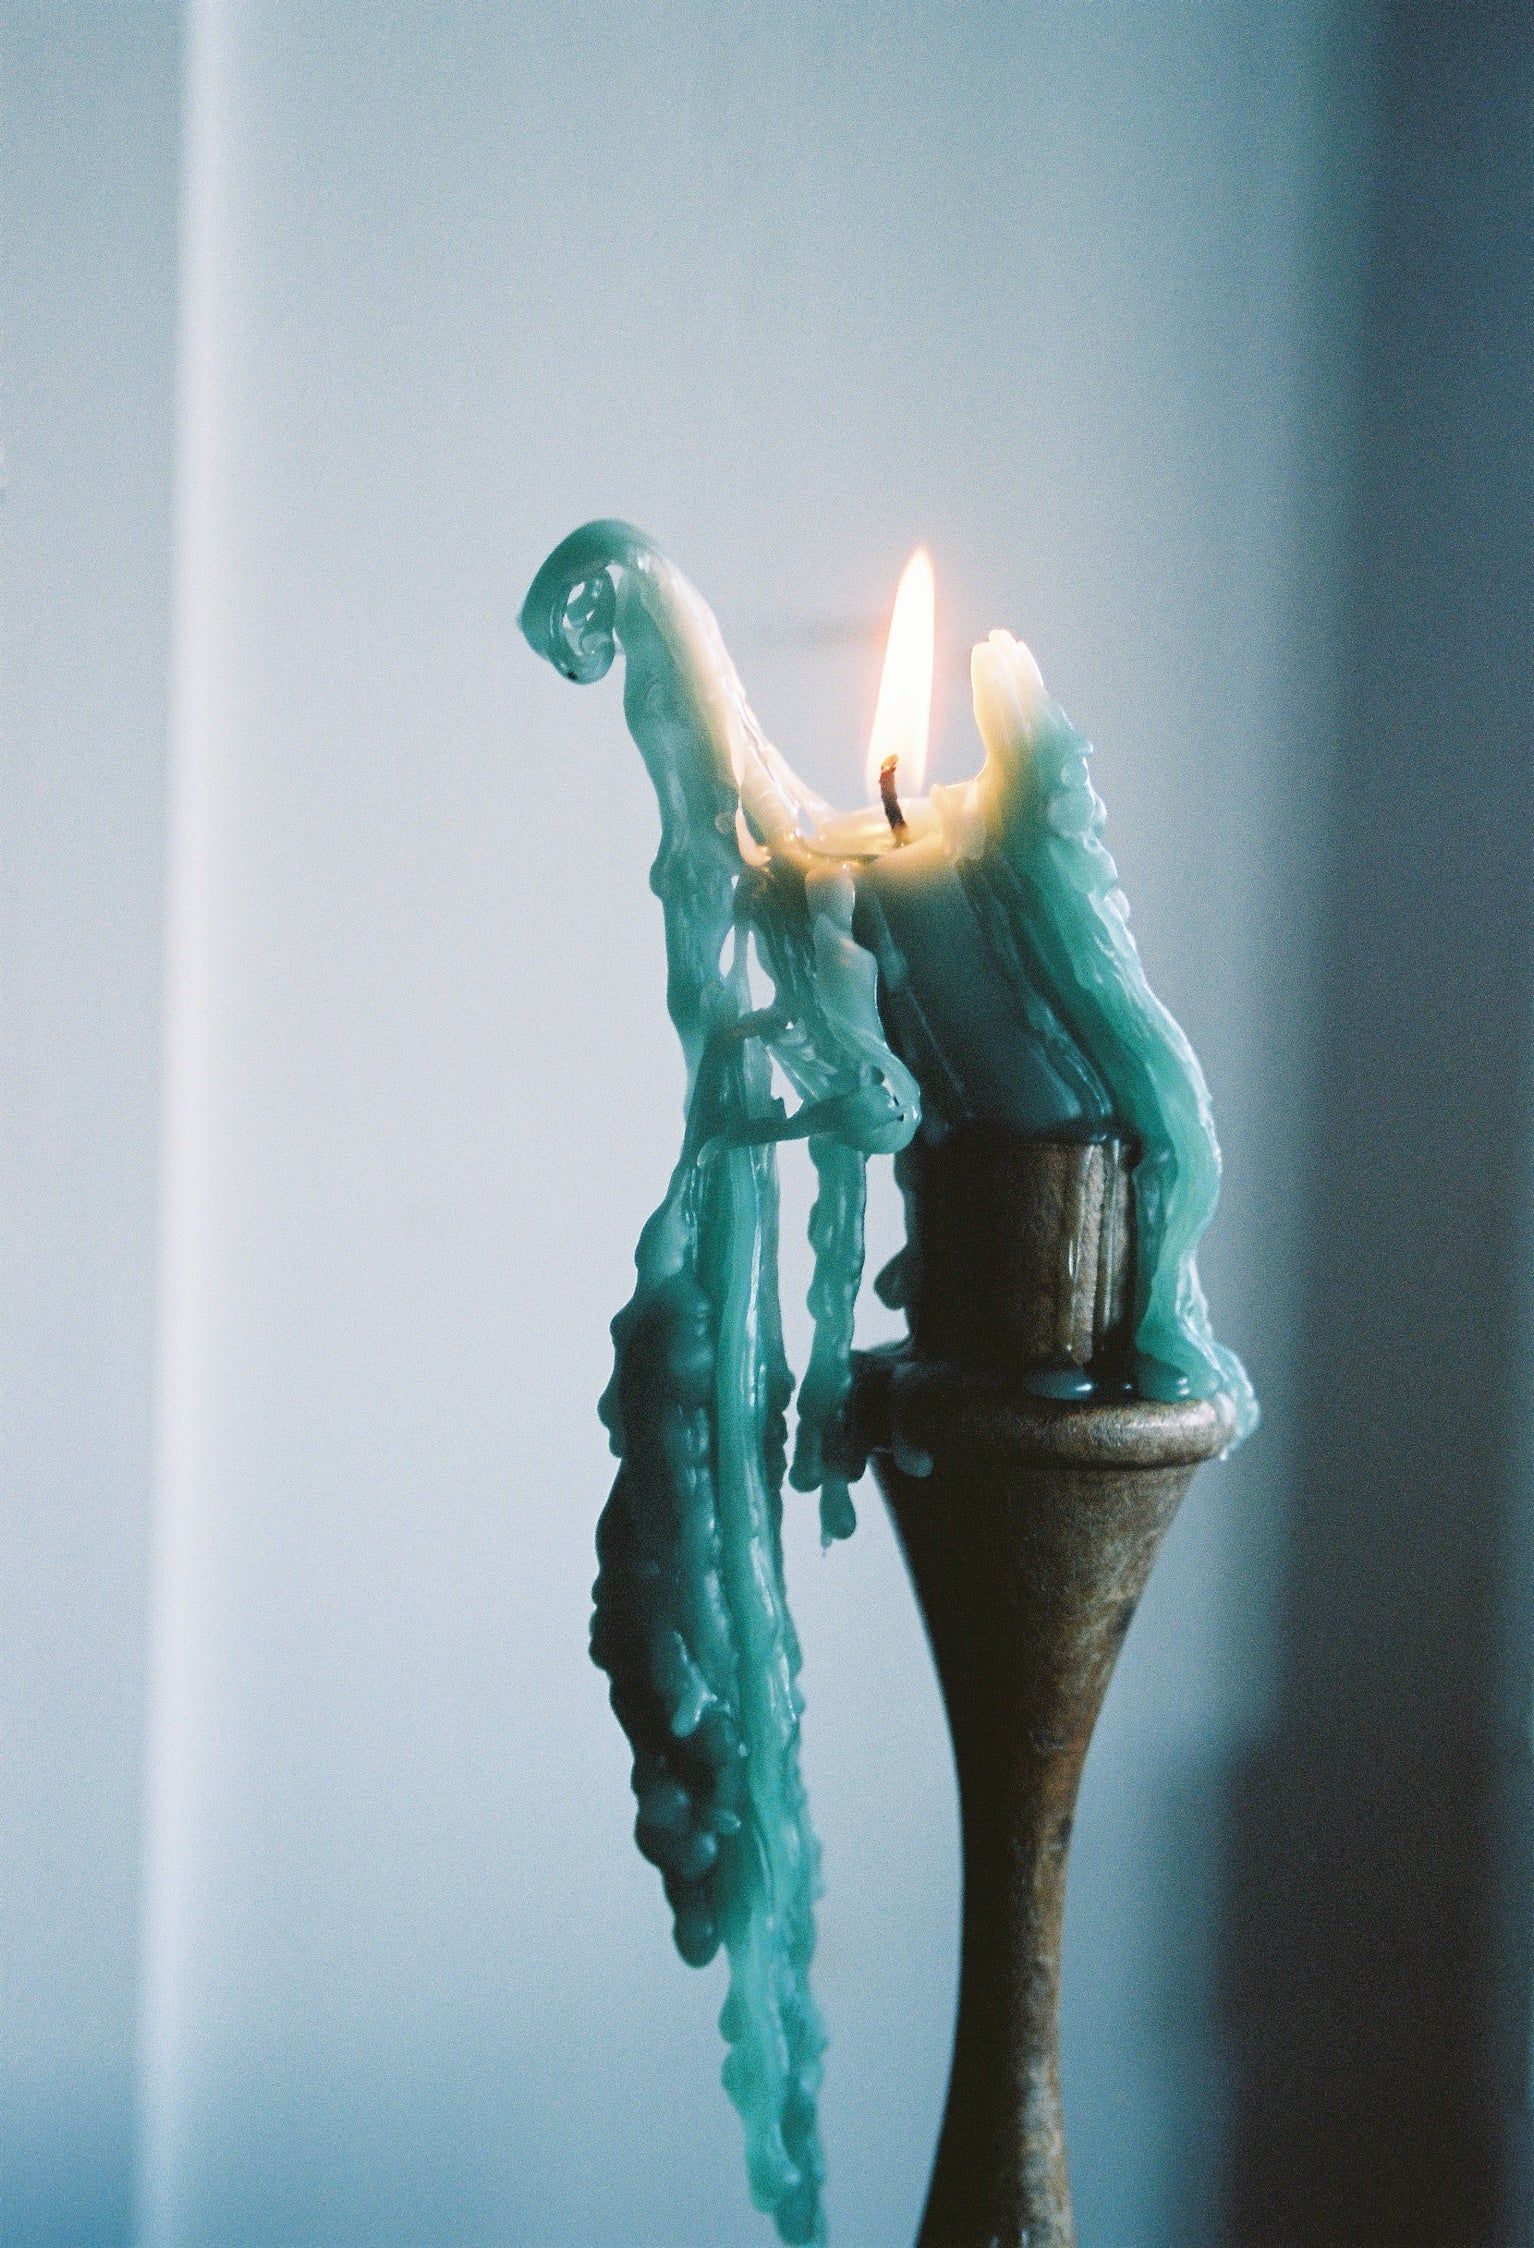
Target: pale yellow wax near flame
[{"x": 903, "y": 715}]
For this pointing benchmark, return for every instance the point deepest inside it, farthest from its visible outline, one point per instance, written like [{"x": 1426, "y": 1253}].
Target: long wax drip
[{"x": 692, "y": 1622}]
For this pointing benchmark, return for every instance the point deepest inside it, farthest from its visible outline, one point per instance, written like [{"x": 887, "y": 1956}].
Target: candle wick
[{"x": 891, "y": 801}]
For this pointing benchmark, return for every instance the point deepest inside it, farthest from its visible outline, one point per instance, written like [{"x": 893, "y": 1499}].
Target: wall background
[
  {"x": 90, "y": 134},
  {"x": 338, "y": 1080}
]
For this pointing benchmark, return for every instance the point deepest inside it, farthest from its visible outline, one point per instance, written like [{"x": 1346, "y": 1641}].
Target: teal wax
[
  {"x": 1013, "y": 992},
  {"x": 1048, "y": 889},
  {"x": 984, "y": 1046},
  {"x": 691, "y": 1620}
]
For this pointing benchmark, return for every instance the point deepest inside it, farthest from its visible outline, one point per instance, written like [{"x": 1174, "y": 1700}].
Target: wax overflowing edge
[
  {"x": 719, "y": 1677},
  {"x": 1027, "y": 831},
  {"x": 1050, "y": 876},
  {"x": 1035, "y": 801}
]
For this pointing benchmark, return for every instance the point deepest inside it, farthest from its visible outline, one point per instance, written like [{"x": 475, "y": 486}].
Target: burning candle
[
  {"x": 941, "y": 961},
  {"x": 985, "y": 1046}
]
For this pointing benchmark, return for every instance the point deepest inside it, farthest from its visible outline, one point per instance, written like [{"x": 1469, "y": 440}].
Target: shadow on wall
[{"x": 1380, "y": 1868}]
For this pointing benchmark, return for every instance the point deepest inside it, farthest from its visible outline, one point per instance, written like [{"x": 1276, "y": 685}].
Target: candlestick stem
[{"x": 1030, "y": 1523}]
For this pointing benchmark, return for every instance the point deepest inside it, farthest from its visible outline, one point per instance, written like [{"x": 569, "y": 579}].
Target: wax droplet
[
  {"x": 889, "y": 1283},
  {"x": 1064, "y": 1381},
  {"x": 1167, "y": 1384},
  {"x": 685, "y": 1686},
  {"x": 838, "y": 1515},
  {"x": 665, "y": 1806},
  {"x": 697, "y": 1936},
  {"x": 695, "y": 1857}
]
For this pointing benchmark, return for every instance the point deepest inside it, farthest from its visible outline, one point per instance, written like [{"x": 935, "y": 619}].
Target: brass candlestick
[{"x": 1030, "y": 1491}]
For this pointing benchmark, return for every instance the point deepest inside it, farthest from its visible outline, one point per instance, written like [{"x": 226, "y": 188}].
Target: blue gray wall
[
  {"x": 89, "y": 167},
  {"x": 1380, "y": 1880},
  {"x": 1091, "y": 299}
]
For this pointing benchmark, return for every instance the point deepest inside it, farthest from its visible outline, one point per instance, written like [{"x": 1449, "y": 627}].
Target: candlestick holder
[{"x": 1030, "y": 1489}]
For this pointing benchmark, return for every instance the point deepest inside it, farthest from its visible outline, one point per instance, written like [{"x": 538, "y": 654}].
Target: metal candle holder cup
[{"x": 1030, "y": 1491}]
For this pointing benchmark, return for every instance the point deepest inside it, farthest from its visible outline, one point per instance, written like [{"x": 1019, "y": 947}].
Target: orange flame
[{"x": 903, "y": 715}]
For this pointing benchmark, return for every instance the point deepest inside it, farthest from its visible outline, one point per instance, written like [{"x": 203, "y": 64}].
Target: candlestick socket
[
  {"x": 1020, "y": 1256},
  {"x": 1030, "y": 1518}
]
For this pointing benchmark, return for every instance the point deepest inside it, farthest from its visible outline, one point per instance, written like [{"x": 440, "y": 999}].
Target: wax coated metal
[
  {"x": 960, "y": 963},
  {"x": 1030, "y": 1526}
]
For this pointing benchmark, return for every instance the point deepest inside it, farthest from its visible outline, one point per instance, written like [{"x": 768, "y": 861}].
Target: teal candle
[{"x": 1012, "y": 992}]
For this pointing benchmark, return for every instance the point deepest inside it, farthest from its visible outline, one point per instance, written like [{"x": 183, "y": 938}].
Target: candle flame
[{"x": 903, "y": 715}]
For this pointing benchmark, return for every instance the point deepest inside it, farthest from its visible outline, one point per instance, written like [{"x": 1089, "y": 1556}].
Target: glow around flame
[{"x": 903, "y": 715}]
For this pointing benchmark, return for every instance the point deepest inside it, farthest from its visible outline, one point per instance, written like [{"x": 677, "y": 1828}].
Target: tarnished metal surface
[
  {"x": 1012, "y": 1262},
  {"x": 1030, "y": 1528},
  {"x": 915, "y": 1406}
]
